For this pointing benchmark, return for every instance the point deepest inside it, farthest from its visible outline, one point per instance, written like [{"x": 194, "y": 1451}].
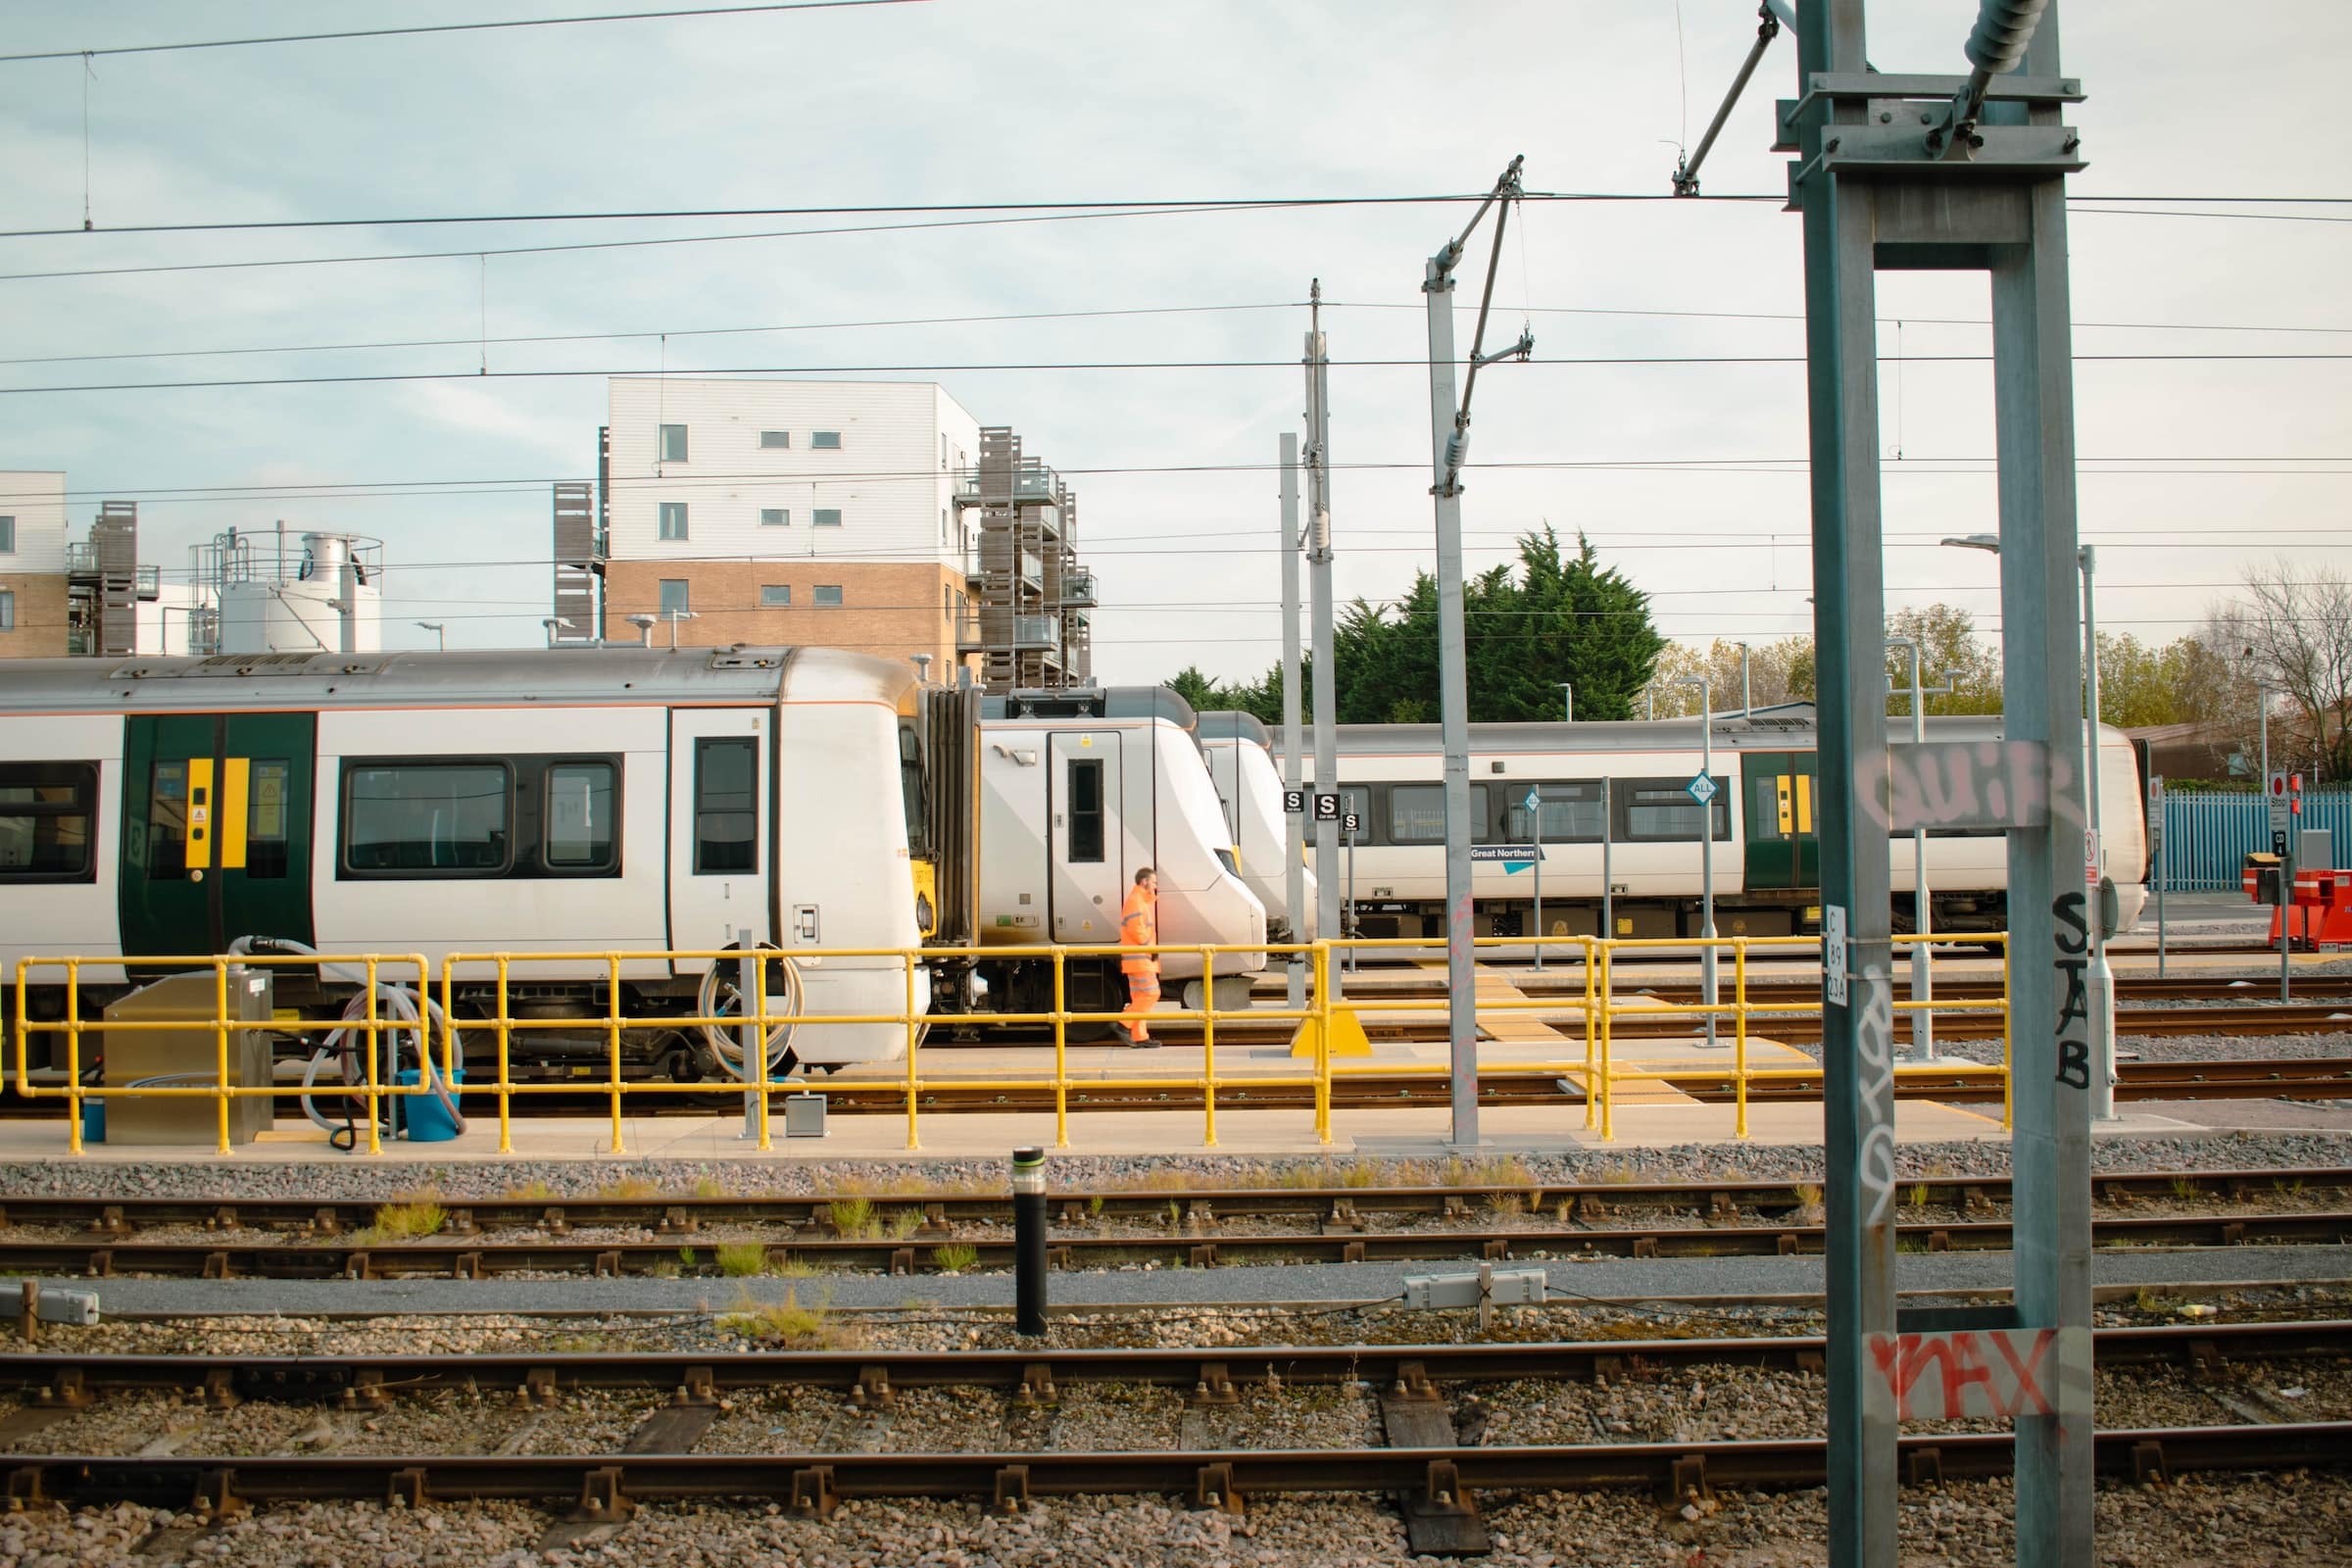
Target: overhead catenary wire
[{"x": 505, "y": 25}]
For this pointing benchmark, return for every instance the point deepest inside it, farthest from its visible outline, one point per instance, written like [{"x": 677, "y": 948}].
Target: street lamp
[
  {"x": 1706, "y": 847},
  {"x": 2101, "y": 978},
  {"x": 1747, "y": 691},
  {"x": 1567, "y": 701},
  {"x": 645, "y": 625},
  {"x": 673, "y": 617},
  {"x": 439, "y": 631},
  {"x": 555, "y": 623}
]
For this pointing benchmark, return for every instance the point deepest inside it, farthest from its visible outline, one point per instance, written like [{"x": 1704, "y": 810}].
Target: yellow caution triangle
[{"x": 1347, "y": 1037}]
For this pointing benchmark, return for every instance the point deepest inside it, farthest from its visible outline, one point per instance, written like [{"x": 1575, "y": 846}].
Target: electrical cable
[
  {"x": 447, "y": 27},
  {"x": 797, "y": 370}
]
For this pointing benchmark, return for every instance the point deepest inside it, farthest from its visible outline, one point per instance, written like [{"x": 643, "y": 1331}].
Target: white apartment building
[
  {"x": 788, "y": 511},
  {"x": 32, "y": 565}
]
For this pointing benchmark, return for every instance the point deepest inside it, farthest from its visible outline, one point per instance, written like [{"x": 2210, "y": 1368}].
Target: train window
[
  {"x": 576, "y": 814},
  {"x": 265, "y": 818},
  {"x": 1660, "y": 811},
  {"x": 912, "y": 794},
  {"x": 1764, "y": 818},
  {"x": 1571, "y": 813},
  {"x": 426, "y": 820},
  {"x": 45, "y": 812},
  {"x": 1086, "y": 810},
  {"x": 168, "y": 823},
  {"x": 1417, "y": 814},
  {"x": 726, "y": 823}
]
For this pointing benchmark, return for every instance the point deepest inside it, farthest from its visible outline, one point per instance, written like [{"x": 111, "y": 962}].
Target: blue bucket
[
  {"x": 93, "y": 1121},
  {"x": 427, "y": 1120}
]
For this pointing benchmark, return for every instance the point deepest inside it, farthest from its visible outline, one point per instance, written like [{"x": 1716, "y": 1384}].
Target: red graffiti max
[{"x": 2010, "y": 1377}]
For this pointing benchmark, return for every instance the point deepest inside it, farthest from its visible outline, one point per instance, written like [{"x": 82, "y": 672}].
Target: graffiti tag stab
[
  {"x": 1968, "y": 1381},
  {"x": 2072, "y": 936},
  {"x": 1874, "y": 1038}
]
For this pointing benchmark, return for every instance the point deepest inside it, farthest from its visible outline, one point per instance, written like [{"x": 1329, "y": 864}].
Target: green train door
[
  {"x": 216, "y": 830},
  {"x": 1784, "y": 839}
]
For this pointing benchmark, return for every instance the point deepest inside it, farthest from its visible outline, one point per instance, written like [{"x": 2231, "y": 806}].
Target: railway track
[
  {"x": 1436, "y": 1469},
  {"x": 1182, "y": 1246},
  {"x": 62, "y": 1382},
  {"x": 1340, "y": 1206}
]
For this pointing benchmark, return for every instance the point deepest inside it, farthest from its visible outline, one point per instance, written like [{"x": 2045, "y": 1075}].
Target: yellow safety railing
[
  {"x": 1572, "y": 1036},
  {"x": 400, "y": 970},
  {"x": 912, "y": 1015}
]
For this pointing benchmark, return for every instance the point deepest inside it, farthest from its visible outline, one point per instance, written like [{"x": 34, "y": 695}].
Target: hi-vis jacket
[{"x": 1139, "y": 927}]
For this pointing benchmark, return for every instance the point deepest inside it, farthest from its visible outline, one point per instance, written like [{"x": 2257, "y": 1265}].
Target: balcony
[
  {"x": 1033, "y": 569},
  {"x": 1078, "y": 589},
  {"x": 1028, "y": 485},
  {"x": 1029, "y": 632}
]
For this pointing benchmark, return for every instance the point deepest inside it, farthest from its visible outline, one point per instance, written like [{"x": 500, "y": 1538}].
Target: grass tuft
[
  {"x": 853, "y": 1217},
  {"x": 955, "y": 1256},
  {"x": 628, "y": 1190},
  {"x": 788, "y": 1324},
  {"x": 739, "y": 1258},
  {"x": 403, "y": 1222}
]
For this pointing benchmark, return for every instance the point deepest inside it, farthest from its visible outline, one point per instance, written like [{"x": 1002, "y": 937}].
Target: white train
[
  {"x": 579, "y": 801},
  {"x": 1241, "y": 764},
  {"x": 1766, "y": 824}
]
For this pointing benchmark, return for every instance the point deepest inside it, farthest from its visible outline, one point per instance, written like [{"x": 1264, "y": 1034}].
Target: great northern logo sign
[{"x": 1513, "y": 857}]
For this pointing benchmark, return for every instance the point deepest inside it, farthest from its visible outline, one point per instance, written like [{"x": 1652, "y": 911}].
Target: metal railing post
[
  {"x": 1608, "y": 1003},
  {"x": 72, "y": 1050},
  {"x": 613, "y": 1033},
  {"x": 759, "y": 968},
  {"x": 1323, "y": 1041},
  {"x": 1061, "y": 1056},
  {"x": 913, "y": 1138},
  {"x": 375, "y": 1104},
  {"x": 1740, "y": 1034},
  {"x": 1209, "y": 1048},
  {"x": 506, "y": 1076},
  {"x": 1591, "y": 1035}
]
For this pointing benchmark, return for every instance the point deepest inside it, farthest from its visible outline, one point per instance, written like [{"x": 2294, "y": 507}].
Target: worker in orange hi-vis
[{"x": 1139, "y": 927}]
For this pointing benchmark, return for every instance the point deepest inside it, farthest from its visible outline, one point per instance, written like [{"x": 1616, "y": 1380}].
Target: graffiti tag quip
[{"x": 2072, "y": 936}]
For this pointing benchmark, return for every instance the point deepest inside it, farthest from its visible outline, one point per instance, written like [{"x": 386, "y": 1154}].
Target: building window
[
  {"x": 826, "y": 517},
  {"x": 674, "y": 595},
  {"x": 673, "y": 519},
  {"x": 775, "y": 596},
  {"x": 8, "y": 611},
  {"x": 673, "y": 443},
  {"x": 943, "y": 454},
  {"x": 775, "y": 440},
  {"x": 579, "y": 817},
  {"x": 45, "y": 812},
  {"x": 428, "y": 819},
  {"x": 774, "y": 517},
  {"x": 825, "y": 440},
  {"x": 827, "y": 592},
  {"x": 8, "y": 536},
  {"x": 726, "y": 827}
]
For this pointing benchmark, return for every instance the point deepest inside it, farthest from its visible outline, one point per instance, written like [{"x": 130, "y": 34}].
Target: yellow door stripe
[
  {"x": 203, "y": 811},
  {"x": 232, "y": 813},
  {"x": 1804, "y": 803}
]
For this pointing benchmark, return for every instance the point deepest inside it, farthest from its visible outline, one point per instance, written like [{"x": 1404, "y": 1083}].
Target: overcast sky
[{"x": 1690, "y": 478}]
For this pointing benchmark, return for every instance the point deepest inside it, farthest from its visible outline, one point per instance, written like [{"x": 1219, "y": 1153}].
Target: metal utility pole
[
  {"x": 1318, "y": 561},
  {"x": 1982, "y": 187},
  {"x": 1748, "y": 689},
  {"x": 1450, "y": 449},
  {"x": 1567, "y": 701},
  {"x": 2102, "y": 977},
  {"x": 1293, "y": 862},
  {"x": 1706, "y": 796},
  {"x": 1922, "y": 963}
]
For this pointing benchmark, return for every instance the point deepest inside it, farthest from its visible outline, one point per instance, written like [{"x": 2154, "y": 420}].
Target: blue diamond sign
[{"x": 1701, "y": 788}]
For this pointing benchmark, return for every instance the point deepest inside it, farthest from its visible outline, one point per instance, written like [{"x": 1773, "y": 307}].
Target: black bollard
[{"x": 1029, "y": 1239}]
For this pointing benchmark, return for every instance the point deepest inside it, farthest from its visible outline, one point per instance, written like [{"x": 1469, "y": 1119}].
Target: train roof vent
[
  {"x": 310, "y": 664},
  {"x": 746, "y": 659}
]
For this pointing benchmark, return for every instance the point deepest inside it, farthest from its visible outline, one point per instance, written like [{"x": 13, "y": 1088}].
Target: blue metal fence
[{"x": 2207, "y": 837}]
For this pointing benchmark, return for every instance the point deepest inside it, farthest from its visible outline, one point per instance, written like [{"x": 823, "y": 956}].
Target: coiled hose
[
  {"x": 722, "y": 1040},
  {"x": 397, "y": 1005}
]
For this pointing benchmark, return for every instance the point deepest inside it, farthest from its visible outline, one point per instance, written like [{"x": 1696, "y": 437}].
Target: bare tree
[{"x": 2292, "y": 631}]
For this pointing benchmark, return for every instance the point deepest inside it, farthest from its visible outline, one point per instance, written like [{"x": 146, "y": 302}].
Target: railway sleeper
[
  {"x": 602, "y": 1499},
  {"x": 1923, "y": 1467},
  {"x": 1214, "y": 1487},
  {"x": 1686, "y": 1481},
  {"x": 812, "y": 1493},
  {"x": 1038, "y": 1386},
  {"x": 215, "y": 1494},
  {"x": 407, "y": 1489},
  {"x": 1013, "y": 1489}
]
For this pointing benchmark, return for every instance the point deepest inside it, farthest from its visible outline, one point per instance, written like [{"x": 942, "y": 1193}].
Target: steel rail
[
  {"x": 685, "y": 1214},
  {"x": 1071, "y": 1250},
  {"x": 812, "y": 1484},
  {"x": 1208, "y": 1375}
]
